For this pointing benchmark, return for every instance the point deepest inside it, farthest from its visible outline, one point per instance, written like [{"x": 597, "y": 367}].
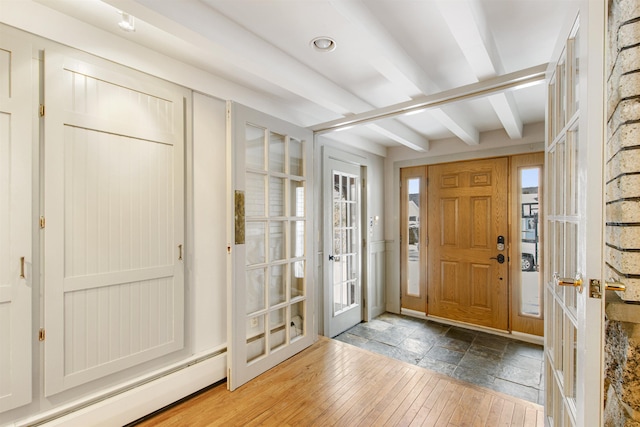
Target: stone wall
[{"x": 622, "y": 327}]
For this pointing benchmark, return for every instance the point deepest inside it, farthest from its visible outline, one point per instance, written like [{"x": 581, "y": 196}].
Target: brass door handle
[
  {"x": 614, "y": 285},
  {"x": 564, "y": 281}
]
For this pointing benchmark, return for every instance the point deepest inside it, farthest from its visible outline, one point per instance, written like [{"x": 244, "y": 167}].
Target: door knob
[
  {"x": 499, "y": 258},
  {"x": 614, "y": 286},
  {"x": 564, "y": 281}
]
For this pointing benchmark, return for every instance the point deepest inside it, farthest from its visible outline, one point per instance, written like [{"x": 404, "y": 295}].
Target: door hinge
[
  {"x": 42, "y": 222},
  {"x": 364, "y": 184},
  {"x": 41, "y": 110},
  {"x": 41, "y": 334}
]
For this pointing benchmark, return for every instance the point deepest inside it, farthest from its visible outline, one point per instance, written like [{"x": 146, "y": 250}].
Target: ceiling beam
[
  {"x": 401, "y": 134},
  {"x": 199, "y": 24},
  {"x": 470, "y": 30},
  {"x": 389, "y": 58},
  {"x": 511, "y": 81}
]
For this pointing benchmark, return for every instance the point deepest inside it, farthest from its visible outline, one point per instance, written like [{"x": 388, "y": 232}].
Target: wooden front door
[{"x": 468, "y": 272}]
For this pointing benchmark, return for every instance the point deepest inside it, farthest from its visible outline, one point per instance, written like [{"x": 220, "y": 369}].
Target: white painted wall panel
[
  {"x": 15, "y": 227},
  {"x": 114, "y": 202},
  {"x": 118, "y": 203},
  {"x": 209, "y": 259}
]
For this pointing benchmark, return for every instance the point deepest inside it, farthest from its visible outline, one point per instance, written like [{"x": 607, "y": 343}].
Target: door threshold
[{"x": 533, "y": 339}]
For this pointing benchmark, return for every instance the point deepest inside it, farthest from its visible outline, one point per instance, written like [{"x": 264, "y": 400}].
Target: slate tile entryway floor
[{"x": 502, "y": 364}]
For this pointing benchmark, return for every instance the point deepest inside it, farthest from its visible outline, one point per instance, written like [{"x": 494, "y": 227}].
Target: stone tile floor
[{"x": 502, "y": 364}]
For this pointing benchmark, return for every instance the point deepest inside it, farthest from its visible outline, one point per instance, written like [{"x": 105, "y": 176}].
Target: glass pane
[
  {"x": 297, "y": 239},
  {"x": 530, "y": 283},
  {"x": 551, "y": 180},
  {"x": 576, "y": 73},
  {"x": 558, "y": 333},
  {"x": 562, "y": 92},
  {"x": 337, "y": 194},
  {"x": 256, "y": 346},
  {"x": 571, "y": 251},
  {"x": 559, "y": 253},
  {"x": 553, "y": 127},
  {"x": 352, "y": 293},
  {"x": 276, "y": 196},
  {"x": 572, "y": 167},
  {"x": 297, "y": 279},
  {"x": 559, "y": 182},
  {"x": 277, "y": 328},
  {"x": 255, "y": 242},
  {"x": 339, "y": 291},
  {"x": 549, "y": 330},
  {"x": 255, "y": 291},
  {"x": 413, "y": 237},
  {"x": 255, "y": 137},
  {"x": 572, "y": 369},
  {"x": 296, "y": 157},
  {"x": 276, "y": 240},
  {"x": 551, "y": 235},
  {"x": 277, "y": 291},
  {"x": 297, "y": 325},
  {"x": 276, "y": 152},
  {"x": 255, "y": 200},
  {"x": 296, "y": 195}
]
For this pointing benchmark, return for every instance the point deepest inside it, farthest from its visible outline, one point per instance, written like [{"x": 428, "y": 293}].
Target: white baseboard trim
[{"x": 149, "y": 397}]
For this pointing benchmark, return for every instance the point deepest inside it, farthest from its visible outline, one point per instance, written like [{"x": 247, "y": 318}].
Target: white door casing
[
  {"x": 574, "y": 227},
  {"x": 342, "y": 243},
  {"x": 114, "y": 209},
  {"x": 16, "y": 166},
  {"x": 270, "y": 289}
]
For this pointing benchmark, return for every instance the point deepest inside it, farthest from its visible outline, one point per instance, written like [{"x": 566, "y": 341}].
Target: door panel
[
  {"x": 270, "y": 288},
  {"x": 413, "y": 273},
  {"x": 467, "y": 213},
  {"x": 574, "y": 225},
  {"x": 115, "y": 223},
  {"x": 342, "y": 245},
  {"x": 16, "y": 280}
]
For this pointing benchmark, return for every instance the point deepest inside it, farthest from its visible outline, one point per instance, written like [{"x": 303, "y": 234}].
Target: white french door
[
  {"x": 16, "y": 280},
  {"x": 574, "y": 226},
  {"x": 342, "y": 247},
  {"x": 114, "y": 209},
  {"x": 270, "y": 288}
]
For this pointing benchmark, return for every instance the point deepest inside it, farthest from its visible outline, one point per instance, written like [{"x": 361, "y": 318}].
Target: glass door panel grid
[
  {"x": 276, "y": 231},
  {"x": 562, "y": 232},
  {"x": 345, "y": 242}
]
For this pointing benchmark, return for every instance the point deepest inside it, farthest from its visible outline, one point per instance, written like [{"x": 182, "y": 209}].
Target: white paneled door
[
  {"x": 270, "y": 291},
  {"x": 574, "y": 226},
  {"x": 342, "y": 245},
  {"x": 15, "y": 222},
  {"x": 114, "y": 208}
]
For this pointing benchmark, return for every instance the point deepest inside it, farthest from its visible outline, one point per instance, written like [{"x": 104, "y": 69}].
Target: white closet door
[
  {"x": 114, "y": 207},
  {"x": 15, "y": 215}
]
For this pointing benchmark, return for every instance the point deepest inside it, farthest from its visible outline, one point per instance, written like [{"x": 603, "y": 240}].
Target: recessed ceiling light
[
  {"x": 323, "y": 44},
  {"x": 127, "y": 22}
]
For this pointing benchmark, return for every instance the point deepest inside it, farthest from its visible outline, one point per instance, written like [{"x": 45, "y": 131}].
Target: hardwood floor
[{"x": 333, "y": 383}]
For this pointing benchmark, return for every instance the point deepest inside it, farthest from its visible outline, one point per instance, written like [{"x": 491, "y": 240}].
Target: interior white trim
[{"x": 139, "y": 398}]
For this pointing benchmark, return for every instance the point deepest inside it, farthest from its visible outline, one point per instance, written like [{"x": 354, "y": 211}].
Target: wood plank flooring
[{"x": 335, "y": 384}]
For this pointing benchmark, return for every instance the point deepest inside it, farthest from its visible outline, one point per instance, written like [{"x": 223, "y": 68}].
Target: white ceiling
[{"x": 389, "y": 52}]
